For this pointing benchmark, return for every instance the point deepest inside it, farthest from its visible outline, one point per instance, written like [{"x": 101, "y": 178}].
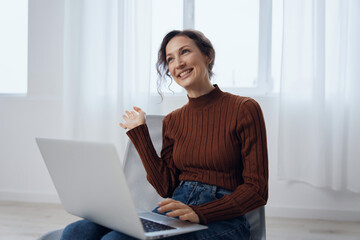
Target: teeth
[{"x": 183, "y": 73}]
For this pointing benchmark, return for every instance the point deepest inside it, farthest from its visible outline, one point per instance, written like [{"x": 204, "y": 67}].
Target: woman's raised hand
[{"x": 133, "y": 119}]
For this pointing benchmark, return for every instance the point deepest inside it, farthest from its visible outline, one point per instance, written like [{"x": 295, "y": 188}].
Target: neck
[
  {"x": 206, "y": 100},
  {"x": 200, "y": 90}
]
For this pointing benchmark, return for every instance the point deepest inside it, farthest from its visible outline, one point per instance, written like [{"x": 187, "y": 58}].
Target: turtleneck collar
[{"x": 206, "y": 100}]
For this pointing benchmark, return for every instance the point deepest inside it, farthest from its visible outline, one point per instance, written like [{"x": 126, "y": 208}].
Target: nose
[{"x": 179, "y": 63}]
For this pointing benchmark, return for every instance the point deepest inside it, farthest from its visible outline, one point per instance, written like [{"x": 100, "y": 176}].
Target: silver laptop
[{"x": 91, "y": 184}]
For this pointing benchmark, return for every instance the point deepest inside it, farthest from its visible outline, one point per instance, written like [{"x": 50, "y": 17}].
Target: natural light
[
  {"x": 234, "y": 48},
  {"x": 13, "y": 46},
  {"x": 234, "y": 32}
]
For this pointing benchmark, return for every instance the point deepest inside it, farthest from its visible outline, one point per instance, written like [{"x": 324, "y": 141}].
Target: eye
[
  {"x": 169, "y": 60},
  {"x": 185, "y": 51}
]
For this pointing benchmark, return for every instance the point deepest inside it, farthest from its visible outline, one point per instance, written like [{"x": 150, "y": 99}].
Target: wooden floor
[{"x": 28, "y": 221}]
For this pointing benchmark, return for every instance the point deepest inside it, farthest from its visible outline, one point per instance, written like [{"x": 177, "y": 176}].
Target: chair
[
  {"x": 256, "y": 219},
  {"x": 53, "y": 235},
  {"x": 145, "y": 196}
]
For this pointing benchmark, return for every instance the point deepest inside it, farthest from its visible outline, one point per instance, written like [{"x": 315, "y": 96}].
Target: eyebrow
[{"x": 181, "y": 48}]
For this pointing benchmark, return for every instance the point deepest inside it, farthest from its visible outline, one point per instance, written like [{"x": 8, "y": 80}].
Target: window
[
  {"x": 233, "y": 28},
  {"x": 167, "y": 16},
  {"x": 241, "y": 32},
  {"x": 276, "y": 44},
  {"x": 13, "y": 46}
]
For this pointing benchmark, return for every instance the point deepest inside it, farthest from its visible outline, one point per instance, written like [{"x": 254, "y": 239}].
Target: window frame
[{"x": 265, "y": 81}]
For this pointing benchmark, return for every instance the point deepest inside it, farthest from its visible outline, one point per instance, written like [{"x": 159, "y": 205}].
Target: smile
[{"x": 185, "y": 73}]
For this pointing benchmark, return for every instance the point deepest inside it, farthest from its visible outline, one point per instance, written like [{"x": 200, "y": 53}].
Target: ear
[{"x": 207, "y": 60}]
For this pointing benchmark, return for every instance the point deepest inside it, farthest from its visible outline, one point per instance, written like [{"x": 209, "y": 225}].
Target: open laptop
[{"x": 89, "y": 179}]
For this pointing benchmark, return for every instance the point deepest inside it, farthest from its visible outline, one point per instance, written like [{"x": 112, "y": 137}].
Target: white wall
[{"x": 23, "y": 175}]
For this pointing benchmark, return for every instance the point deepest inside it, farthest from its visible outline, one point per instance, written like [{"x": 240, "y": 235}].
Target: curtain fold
[
  {"x": 319, "y": 131},
  {"x": 107, "y": 51}
]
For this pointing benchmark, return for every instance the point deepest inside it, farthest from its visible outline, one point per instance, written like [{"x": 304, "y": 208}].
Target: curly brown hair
[{"x": 202, "y": 42}]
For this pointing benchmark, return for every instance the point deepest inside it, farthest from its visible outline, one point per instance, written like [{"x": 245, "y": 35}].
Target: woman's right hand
[{"x": 133, "y": 119}]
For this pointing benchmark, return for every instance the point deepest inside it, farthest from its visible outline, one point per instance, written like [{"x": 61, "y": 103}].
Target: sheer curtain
[
  {"x": 106, "y": 66},
  {"x": 319, "y": 131}
]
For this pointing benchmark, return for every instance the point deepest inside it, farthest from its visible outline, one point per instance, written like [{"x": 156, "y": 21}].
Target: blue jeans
[{"x": 188, "y": 192}]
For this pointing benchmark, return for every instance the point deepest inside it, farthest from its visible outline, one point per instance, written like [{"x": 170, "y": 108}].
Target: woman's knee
[
  {"x": 113, "y": 235},
  {"x": 84, "y": 229}
]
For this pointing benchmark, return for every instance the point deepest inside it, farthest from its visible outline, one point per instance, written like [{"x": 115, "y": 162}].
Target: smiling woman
[
  {"x": 213, "y": 166},
  {"x": 189, "y": 57}
]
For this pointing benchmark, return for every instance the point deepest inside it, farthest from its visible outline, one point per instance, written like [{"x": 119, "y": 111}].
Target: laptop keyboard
[{"x": 150, "y": 226}]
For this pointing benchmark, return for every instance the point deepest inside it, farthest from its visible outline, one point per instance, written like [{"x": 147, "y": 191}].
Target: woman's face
[{"x": 186, "y": 63}]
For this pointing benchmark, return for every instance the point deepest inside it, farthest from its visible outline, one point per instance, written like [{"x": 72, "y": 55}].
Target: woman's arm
[
  {"x": 253, "y": 193},
  {"x": 161, "y": 171}
]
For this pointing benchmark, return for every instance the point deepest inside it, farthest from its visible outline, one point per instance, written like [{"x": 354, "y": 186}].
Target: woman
[{"x": 213, "y": 166}]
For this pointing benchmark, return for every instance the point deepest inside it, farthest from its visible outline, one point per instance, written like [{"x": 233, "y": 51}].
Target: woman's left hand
[{"x": 178, "y": 209}]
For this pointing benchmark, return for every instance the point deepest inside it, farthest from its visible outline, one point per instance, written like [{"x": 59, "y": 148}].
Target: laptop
[{"x": 91, "y": 184}]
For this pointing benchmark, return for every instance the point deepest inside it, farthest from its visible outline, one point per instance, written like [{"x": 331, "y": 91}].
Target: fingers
[
  {"x": 133, "y": 114},
  {"x": 133, "y": 118},
  {"x": 130, "y": 114},
  {"x": 171, "y": 207},
  {"x": 192, "y": 217},
  {"x": 178, "y": 212},
  {"x": 165, "y": 201},
  {"x": 168, "y": 204},
  {"x": 137, "y": 109},
  {"x": 185, "y": 214},
  {"x": 178, "y": 209}
]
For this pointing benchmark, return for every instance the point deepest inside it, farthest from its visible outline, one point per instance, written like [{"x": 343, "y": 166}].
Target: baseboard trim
[
  {"x": 307, "y": 213},
  {"x": 29, "y": 197},
  {"x": 270, "y": 211}
]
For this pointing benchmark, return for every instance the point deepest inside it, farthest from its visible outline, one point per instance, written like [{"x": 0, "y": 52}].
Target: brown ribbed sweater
[{"x": 217, "y": 139}]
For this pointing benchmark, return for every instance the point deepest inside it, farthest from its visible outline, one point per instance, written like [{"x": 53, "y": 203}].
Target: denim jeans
[{"x": 188, "y": 192}]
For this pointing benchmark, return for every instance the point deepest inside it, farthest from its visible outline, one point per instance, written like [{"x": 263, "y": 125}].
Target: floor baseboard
[
  {"x": 29, "y": 197},
  {"x": 306, "y": 213},
  {"x": 270, "y": 211}
]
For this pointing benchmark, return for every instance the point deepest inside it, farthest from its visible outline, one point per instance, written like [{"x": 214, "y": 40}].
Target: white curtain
[
  {"x": 319, "y": 133},
  {"x": 106, "y": 66}
]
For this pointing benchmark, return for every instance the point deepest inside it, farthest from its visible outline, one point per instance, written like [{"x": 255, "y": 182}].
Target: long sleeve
[
  {"x": 218, "y": 139},
  {"x": 253, "y": 193},
  {"x": 161, "y": 171}
]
